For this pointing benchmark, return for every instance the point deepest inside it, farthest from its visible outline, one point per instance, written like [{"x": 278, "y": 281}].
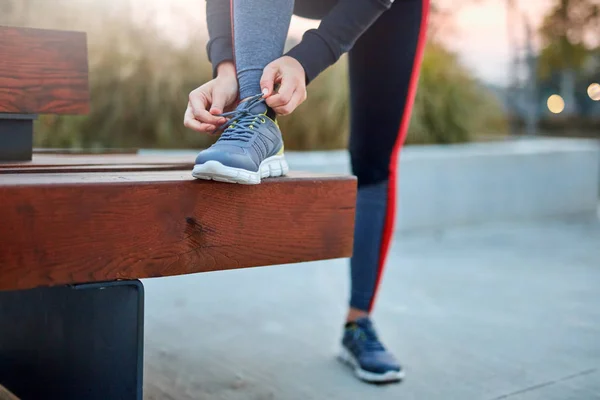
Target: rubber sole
[
  {"x": 391, "y": 376},
  {"x": 213, "y": 170}
]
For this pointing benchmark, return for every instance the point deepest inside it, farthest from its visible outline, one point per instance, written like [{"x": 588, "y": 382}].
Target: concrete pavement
[{"x": 492, "y": 312}]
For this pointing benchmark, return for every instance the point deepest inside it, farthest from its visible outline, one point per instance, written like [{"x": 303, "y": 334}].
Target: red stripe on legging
[{"x": 388, "y": 227}]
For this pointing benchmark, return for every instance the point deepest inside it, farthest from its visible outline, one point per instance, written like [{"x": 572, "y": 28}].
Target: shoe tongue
[{"x": 363, "y": 322}]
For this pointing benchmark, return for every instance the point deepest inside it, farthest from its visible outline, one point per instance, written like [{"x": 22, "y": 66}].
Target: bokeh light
[
  {"x": 556, "y": 104},
  {"x": 594, "y": 91}
]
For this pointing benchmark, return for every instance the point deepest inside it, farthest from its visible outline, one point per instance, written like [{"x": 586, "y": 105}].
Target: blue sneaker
[
  {"x": 249, "y": 149},
  {"x": 362, "y": 350}
]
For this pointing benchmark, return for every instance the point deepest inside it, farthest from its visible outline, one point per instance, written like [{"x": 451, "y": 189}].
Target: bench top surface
[
  {"x": 77, "y": 227},
  {"x": 118, "y": 176}
]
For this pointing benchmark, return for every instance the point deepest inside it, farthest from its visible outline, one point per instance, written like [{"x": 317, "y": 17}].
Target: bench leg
[
  {"x": 73, "y": 342},
  {"x": 16, "y": 137}
]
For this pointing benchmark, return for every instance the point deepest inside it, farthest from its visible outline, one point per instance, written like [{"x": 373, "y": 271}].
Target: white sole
[
  {"x": 391, "y": 376},
  {"x": 270, "y": 167}
]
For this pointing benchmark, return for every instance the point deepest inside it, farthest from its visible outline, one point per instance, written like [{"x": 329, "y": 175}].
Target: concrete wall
[{"x": 442, "y": 186}]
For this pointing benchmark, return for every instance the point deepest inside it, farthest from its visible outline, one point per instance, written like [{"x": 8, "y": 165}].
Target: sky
[{"x": 480, "y": 36}]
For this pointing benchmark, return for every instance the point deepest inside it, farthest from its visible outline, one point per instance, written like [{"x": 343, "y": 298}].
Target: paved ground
[{"x": 498, "y": 312}]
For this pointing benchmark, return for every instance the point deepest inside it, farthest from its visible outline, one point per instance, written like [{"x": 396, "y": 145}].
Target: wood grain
[
  {"x": 74, "y": 228},
  {"x": 118, "y": 177},
  {"x": 62, "y": 169},
  {"x": 40, "y": 162},
  {"x": 43, "y": 71}
]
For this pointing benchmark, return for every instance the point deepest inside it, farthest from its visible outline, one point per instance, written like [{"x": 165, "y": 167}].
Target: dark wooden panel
[
  {"x": 73, "y": 228},
  {"x": 43, "y": 72}
]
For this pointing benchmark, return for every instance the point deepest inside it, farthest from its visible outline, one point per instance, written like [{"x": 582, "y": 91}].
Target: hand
[
  {"x": 211, "y": 99},
  {"x": 289, "y": 73}
]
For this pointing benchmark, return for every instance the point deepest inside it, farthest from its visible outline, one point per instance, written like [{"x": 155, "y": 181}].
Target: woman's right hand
[{"x": 211, "y": 99}]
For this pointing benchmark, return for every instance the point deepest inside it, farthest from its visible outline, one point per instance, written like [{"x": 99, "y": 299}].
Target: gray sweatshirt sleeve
[
  {"x": 319, "y": 48},
  {"x": 220, "y": 44},
  {"x": 336, "y": 34}
]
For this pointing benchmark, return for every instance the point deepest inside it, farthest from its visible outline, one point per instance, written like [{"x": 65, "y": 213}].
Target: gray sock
[{"x": 260, "y": 28}]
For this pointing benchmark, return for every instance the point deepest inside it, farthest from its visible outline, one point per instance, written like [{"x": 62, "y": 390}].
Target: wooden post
[{"x": 41, "y": 72}]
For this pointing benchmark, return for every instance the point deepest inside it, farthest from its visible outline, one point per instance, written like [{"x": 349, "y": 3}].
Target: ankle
[{"x": 355, "y": 314}]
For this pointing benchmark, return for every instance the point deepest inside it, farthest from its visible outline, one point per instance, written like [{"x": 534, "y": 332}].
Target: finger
[
  {"x": 294, "y": 102},
  {"x": 284, "y": 95},
  {"x": 218, "y": 104},
  {"x": 190, "y": 122},
  {"x": 198, "y": 126},
  {"x": 199, "y": 103},
  {"x": 198, "y": 100},
  {"x": 267, "y": 81},
  {"x": 297, "y": 99},
  {"x": 207, "y": 118}
]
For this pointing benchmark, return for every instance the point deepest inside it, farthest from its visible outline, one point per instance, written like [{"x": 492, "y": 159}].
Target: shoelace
[
  {"x": 241, "y": 122},
  {"x": 367, "y": 336}
]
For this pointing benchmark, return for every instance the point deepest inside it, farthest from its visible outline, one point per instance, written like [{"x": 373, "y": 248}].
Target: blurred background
[
  {"x": 491, "y": 289},
  {"x": 492, "y": 69}
]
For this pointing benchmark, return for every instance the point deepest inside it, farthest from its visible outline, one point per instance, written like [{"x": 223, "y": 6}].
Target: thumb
[
  {"x": 218, "y": 103},
  {"x": 268, "y": 79}
]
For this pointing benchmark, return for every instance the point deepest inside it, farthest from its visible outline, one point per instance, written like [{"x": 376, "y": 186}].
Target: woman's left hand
[{"x": 289, "y": 74}]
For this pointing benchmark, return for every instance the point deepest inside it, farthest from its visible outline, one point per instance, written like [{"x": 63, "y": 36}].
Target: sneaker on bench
[
  {"x": 364, "y": 353},
  {"x": 249, "y": 149}
]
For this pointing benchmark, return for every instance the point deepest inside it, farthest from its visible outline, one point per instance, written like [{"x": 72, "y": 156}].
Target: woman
[{"x": 385, "y": 42}]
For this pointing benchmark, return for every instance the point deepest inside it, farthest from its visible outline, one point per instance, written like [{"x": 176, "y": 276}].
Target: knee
[{"x": 370, "y": 172}]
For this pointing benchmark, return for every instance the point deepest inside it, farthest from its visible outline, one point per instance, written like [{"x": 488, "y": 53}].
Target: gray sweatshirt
[{"x": 318, "y": 49}]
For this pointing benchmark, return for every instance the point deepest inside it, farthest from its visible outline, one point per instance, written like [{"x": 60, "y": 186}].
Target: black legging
[{"x": 384, "y": 65}]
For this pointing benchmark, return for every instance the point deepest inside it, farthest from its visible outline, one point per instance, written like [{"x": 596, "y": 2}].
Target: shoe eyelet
[{"x": 263, "y": 121}]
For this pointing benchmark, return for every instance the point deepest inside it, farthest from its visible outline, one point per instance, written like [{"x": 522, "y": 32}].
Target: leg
[
  {"x": 382, "y": 96},
  {"x": 381, "y": 103},
  {"x": 251, "y": 146},
  {"x": 259, "y": 32}
]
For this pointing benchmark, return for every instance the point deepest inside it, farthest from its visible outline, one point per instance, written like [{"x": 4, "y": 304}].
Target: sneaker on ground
[
  {"x": 364, "y": 353},
  {"x": 249, "y": 149}
]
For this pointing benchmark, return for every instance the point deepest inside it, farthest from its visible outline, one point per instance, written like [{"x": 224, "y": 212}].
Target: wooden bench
[
  {"x": 5, "y": 394},
  {"x": 79, "y": 231}
]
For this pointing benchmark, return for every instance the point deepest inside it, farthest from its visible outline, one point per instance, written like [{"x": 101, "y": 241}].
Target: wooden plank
[
  {"x": 61, "y": 169},
  {"x": 41, "y": 161},
  {"x": 117, "y": 177},
  {"x": 73, "y": 228},
  {"x": 83, "y": 151},
  {"x": 5, "y": 394},
  {"x": 43, "y": 71}
]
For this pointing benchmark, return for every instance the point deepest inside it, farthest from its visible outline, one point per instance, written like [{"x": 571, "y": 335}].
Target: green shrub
[
  {"x": 451, "y": 106},
  {"x": 139, "y": 84}
]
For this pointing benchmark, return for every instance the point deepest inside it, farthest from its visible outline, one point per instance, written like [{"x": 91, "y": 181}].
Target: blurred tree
[
  {"x": 567, "y": 34},
  {"x": 140, "y": 78}
]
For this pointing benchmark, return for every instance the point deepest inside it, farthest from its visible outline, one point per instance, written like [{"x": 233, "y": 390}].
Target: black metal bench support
[
  {"x": 73, "y": 342},
  {"x": 16, "y": 137}
]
